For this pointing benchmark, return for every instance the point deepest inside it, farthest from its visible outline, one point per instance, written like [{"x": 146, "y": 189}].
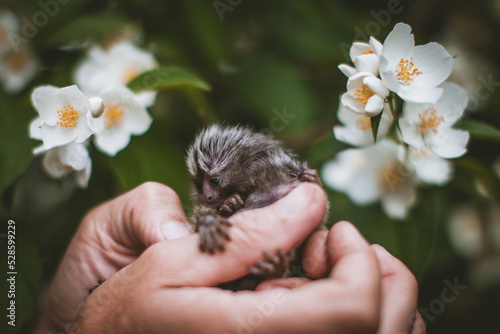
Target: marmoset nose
[{"x": 210, "y": 194}]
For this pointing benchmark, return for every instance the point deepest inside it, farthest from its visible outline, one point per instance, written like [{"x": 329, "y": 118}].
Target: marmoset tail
[{"x": 234, "y": 169}]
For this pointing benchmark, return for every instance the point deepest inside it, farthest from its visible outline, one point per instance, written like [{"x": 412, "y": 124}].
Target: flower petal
[
  {"x": 388, "y": 74},
  {"x": 83, "y": 176},
  {"x": 434, "y": 62},
  {"x": 54, "y": 136},
  {"x": 35, "y": 128},
  {"x": 374, "y": 106},
  {"x": 430, "y": 168},
  {"x": 452, "y": 103},
  {"x": 363, "y": 189},
  {"x": 74, "y": 155},
  {"x": 376, "y": 46},
  {"x": 352, "y": 104},
  {"x": 376, "y": 85},
  {"x": 74, "y": 97},
  {"x": 346, "y": 116},
  {"x": 84, "y": 131},
  {"x": 52, "y": 164},
  {"x": 420, "y": 94},
  {"x": 47, "y": 105},
  {"x": 396, "y": 204},
  {"x": 111, "y": 142},
  {"x": 347, "y": 70},
  {"x": 411, "y": 134},
  {"x": 357, "y": 49},
  {"x": 398, "y": 44},
  {"x": 449, "y": 143},
  {"x": 353, "y": 136},
  {"x": 367, "y": 63}
]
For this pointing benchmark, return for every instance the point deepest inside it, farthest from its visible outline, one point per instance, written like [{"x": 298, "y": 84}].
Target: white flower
[
  {"x": 357, "y": 129},
  {"x": 9, "y": 24},
  {"x": 365, "y": 94},
  {"x": 374, "y": 173},
  {"x": 466, "y": 232},
  {"x": 58, "y": 162},
  {"x": 17, "y": 68},
  {"x": 430, "y": 168},
  {"x": 123, "y": 116},
  {"x": 413, "y": 72},
  {"x": 429, "y": 126},
  {"x": 65, "y": 113},
  {"x": 365, "y": 57},
  {"x": 106, "y": 69}
]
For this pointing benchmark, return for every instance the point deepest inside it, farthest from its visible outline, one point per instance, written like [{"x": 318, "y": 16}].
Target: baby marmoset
[{"x": 234, "y": 169}]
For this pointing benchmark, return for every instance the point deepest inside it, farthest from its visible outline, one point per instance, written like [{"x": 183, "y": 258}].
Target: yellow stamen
[
  {"x": 429, "y": 120},
  {"x": 363, "y": 94},
  {"x": 367, "y": 52},
  {"x": 406, "y": 71},
  {"x": 364, "y": 123},
  {"x": 68, "y": 117},
  {"x": 113, "y": 115}
]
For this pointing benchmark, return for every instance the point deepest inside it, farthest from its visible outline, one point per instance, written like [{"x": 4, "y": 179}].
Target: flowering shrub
[
  {"x": 422, "y": 133},
  {"x": 97, "y": 97}
]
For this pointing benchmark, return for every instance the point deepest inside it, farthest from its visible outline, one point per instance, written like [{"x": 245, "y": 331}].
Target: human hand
[
  {"x": 398, "y": 287},
  {"x": 110, "y": 237},
  {"x": 177, "y": 293}
]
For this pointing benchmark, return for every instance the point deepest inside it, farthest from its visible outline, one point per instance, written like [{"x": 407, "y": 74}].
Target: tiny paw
[
  {"x": 231, "y": 204},
  {"x": 310, "y": 175},
  {"x": 214, "y": 233},
  {"x": 274, "y": 265},
  {"x": 95, "y": 286}
]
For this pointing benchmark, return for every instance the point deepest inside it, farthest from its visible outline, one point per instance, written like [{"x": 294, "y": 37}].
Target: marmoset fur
[{"x": 234, "y": 169}]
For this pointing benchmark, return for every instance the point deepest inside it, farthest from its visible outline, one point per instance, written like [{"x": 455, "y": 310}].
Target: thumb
[
  {"x": 155, "y": 214},
  {"x": 283, "y": 225}
]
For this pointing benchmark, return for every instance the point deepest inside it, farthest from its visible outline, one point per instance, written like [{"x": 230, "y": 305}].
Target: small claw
[
  {"x": 224, "y": 232},
  {"x": 217, "y": 240},
  {"x": 254, "y": 271},
  {"x": 310, "y": 175},
  {"x": 225, "y": 208},
  {"x": 273, "y": 258}
]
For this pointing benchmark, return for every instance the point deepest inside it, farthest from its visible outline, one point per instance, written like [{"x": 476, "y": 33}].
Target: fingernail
[
  {"x": 295, "y": 201},
  {"x": 174, "y": 230}
]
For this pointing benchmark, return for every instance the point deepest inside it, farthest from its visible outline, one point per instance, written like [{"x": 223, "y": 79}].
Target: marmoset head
[{"x": 226, "y": 160}]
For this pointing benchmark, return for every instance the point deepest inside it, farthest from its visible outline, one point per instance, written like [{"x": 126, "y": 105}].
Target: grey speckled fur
[{"x": 234, "y": 169}]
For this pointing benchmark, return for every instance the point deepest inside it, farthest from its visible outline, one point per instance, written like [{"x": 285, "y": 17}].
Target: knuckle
[{"x": 153, "y": 189}]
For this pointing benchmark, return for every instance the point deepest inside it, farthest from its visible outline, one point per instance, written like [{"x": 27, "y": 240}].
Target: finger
[
  {"x": 350, "y": 255},
  {"x": 150, "y": 213},
  {"x": 399, "y": 294},
  {"x": 314, "y": 256},
  {"x": 349, "y": 298},
  {"x": 282, "y": 225},
  {"x": 419, "y": 325}
]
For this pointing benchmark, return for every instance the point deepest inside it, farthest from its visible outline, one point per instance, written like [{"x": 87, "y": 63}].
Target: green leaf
[
  {"x": 16, "y": 147},
  {"x": 166, "y": 77},
  {"x": 375, "y": 122},
  {"x": 85, "y": 27},
  {"x": 479, "y": 130}
]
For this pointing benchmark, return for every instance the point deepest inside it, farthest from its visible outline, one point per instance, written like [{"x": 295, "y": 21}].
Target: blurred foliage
[{"x": 265, "y": 59}]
